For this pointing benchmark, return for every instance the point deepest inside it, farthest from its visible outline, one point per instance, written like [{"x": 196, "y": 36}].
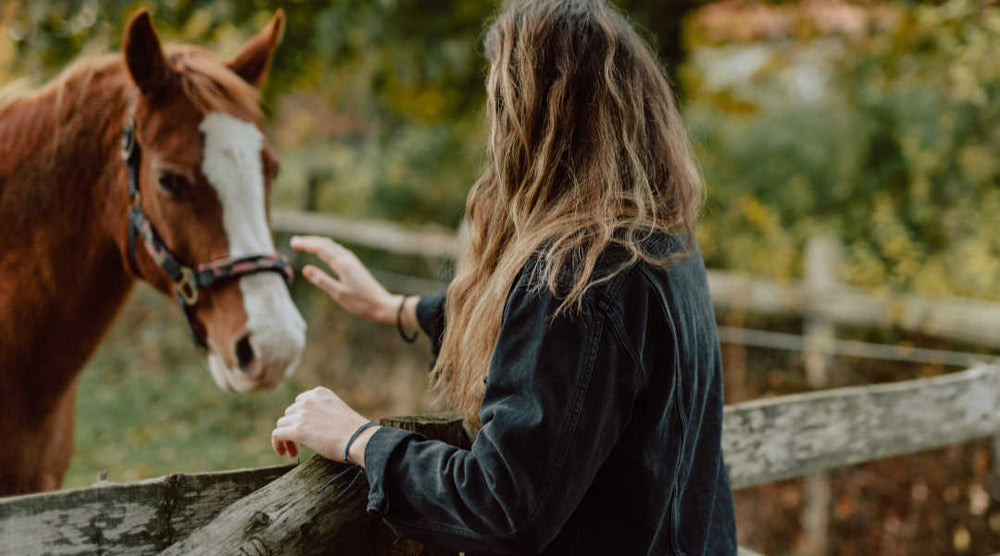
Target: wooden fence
[
  {"x": 820, "y": 298},
  {"x": 969, "y": 321},
  {"x": 280, "y": 509}
]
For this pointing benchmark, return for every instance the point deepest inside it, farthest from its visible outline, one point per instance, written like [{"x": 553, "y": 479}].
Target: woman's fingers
[
  {"x": 348, "y": 281},
  {"x": 328, "y": 251},
  {"x": 283, "y": 441},
  {"x": 323, "y": 281},
  {"x": 277, "y": 444}
]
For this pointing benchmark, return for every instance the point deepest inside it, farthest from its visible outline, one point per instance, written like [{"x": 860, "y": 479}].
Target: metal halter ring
[{"x": 186, "y": 287}]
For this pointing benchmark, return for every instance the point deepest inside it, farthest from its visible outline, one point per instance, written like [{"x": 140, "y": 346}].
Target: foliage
[{"x": 887, "y": 139}]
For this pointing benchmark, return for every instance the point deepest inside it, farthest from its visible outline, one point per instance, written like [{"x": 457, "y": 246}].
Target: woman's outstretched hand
[
  {"x": 322, "y": 422},
  {"x": 354, "y": 287}
]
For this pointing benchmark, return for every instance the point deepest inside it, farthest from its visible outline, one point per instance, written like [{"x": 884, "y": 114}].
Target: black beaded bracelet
[
  {"x": 362, "y": 428},
  {"x": 399, "y": 324}
]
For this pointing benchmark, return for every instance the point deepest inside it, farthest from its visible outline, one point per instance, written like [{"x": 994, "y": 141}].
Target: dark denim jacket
[{"x": 601, "y": 429}]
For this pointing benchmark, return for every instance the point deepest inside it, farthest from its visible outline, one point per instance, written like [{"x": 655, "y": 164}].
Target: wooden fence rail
[
  {"x": 779, "y": 438},
  {"x": 266, "y": 509},
  {"x": 970, "y": 321}
]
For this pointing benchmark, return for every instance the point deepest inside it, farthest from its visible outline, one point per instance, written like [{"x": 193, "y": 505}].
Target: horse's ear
[
  {"x": 144, "y": 55},
  {"x": 253, "y": 60}
]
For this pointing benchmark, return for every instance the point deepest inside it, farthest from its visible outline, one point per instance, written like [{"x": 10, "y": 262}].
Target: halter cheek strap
[{"x": 187, "y": 281}]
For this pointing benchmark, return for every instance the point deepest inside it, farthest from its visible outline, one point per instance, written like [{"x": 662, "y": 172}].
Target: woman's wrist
[
  {"x": 390, "y": 308},
  {"x": 402, "y": 307},
  {"x": 356, "y": 454},
  {"x": 408, "y": 313}
]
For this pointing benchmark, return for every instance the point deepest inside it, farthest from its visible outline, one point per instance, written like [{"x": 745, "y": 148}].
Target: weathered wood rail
[
  {"x": 278, "y": 509},
  {"x": 789, "y": 436}
]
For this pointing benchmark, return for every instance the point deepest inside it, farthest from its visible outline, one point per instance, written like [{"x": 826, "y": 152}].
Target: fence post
[
  {"x": 315, "y": 508},
  {"x": 822, "y": 259}
]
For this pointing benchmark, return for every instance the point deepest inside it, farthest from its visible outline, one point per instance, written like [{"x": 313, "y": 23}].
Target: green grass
[{"x": 147, "y": 405}]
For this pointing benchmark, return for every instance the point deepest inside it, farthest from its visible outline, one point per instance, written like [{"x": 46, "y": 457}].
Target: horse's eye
[{"x": 172, "y": 183}]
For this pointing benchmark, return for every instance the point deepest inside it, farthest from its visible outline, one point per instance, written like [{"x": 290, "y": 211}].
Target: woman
[{"x": 578, "y": 334}]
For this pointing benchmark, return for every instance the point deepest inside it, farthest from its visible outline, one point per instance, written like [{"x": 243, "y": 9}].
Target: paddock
[
  {"x": 277, "y": 509},
  {"x": 272, "y": 510}
]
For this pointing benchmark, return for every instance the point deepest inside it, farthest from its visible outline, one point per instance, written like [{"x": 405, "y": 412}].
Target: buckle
[{"x": 187, "y": 288}]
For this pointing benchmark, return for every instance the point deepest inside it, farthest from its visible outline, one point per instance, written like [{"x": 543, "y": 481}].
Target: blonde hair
[{"x": 586, "y": 149}]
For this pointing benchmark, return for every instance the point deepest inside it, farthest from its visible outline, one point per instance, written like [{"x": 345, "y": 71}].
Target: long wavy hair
[{"x": 586, "y": 149}]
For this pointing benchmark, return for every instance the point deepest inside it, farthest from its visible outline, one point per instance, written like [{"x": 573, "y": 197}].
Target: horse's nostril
[{"x": 244, "y": 352}]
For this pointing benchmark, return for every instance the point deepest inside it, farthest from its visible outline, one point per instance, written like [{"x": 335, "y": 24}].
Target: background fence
[{"x": 823, "y": 301}]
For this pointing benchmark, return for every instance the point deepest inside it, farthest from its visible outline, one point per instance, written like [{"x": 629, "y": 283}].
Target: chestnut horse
[{"x": 186, "y": 211}]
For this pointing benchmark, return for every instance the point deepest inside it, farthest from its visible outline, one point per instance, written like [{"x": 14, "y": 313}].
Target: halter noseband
[{"x": 187, "y": 280}]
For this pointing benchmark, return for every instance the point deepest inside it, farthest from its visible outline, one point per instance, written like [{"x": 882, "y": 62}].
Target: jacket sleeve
[
  {"x": 430, "y": 316},
  {"x": 558, "y": 396}
]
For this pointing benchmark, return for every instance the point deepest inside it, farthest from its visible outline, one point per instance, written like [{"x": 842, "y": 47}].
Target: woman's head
[{"x": 586, "y": 148}]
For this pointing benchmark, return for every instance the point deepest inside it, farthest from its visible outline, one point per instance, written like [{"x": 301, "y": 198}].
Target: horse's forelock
[{"x": 211, "y": 86}]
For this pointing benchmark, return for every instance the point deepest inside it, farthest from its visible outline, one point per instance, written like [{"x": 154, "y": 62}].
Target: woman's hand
[
  {"x": 354, "y": 287},
  {"x": 322, "y": 422}
]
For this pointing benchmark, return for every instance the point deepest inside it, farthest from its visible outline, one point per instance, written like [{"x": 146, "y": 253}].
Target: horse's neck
[{"x": 61, "y": 202}]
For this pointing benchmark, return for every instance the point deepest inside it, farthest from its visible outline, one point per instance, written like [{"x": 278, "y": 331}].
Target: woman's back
[
  {"x": 601, "y": 426},
  {"x": 664, "y": 487}
]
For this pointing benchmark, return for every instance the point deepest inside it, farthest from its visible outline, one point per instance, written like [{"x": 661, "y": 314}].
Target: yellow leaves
[
  {"x": 933, "y": 280},
  {"x": 893, "y": 238},
  {"x": 979, "y": 163},
  {"x": 759, "y": 216},
  {"x": 424, "y": 104},
  {"x": 770, "y": 250},
  {"x": 965, "y": 85},
  {"x": 976, "y": 267},
  {"x": 866, "y": 269}
]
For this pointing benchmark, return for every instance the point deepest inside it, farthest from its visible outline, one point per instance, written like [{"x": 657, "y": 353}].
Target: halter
[{"x": 188, "y": 281}]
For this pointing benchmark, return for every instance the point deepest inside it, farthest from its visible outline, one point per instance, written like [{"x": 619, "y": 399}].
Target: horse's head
[{"x": 203, "y": 179}]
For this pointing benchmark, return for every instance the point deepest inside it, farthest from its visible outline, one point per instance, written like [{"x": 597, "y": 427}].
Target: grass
[{"x": 147, "y": 406}]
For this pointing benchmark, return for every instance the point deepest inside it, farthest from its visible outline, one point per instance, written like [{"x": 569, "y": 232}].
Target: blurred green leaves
[{"x": 888, "y": 138}]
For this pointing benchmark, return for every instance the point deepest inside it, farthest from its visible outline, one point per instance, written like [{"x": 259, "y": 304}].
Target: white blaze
[{"x": 232, "y": 164}]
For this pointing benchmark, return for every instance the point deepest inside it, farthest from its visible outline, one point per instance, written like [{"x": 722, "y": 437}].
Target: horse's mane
[{"x": 204, "y": 79}]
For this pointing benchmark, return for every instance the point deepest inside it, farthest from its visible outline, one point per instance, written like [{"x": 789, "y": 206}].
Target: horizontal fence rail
[
  {"x": 763, "y": 440},
  {"x": 850, "y": 348},
  {"x": 142, "y": 517},
  {"x": 789, "y": 436},
  {"x": 429, "y": 241},
  {"x": 970, "y": 321}
]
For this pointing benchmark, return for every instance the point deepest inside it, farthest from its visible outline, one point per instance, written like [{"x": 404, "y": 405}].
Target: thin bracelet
[
  {"x": 399, "y": 324},
  {"x": 362, "y": 428}
]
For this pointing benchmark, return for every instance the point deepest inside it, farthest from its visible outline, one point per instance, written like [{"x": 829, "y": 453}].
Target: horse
[{"x": 145, "y": 165}]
